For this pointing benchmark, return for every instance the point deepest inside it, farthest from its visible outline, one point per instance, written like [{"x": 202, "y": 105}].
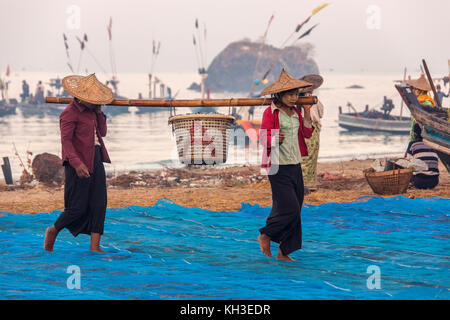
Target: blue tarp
[{"x": 171, "y": 252}]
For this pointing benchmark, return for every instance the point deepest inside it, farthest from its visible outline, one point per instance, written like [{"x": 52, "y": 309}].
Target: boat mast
[
  {"x": 261, "y": 47},
  {"x": 283, "y": 45},
  {"x": 4, "y": 85},
  {"x": 401, "y": 105},
  {"x": 155, "y": 53},
  {"x": 430, "y": 80},
  {"x": 201, "y": 57},
  {"x": 114, "y": 81}
]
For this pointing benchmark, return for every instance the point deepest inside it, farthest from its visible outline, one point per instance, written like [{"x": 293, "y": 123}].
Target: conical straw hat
[
  {"x": 315, "y": 79},
  {"x": 285, "y": 82},
  {"x": 88, "y": 89},
  {"x": 420, "y": 83}
]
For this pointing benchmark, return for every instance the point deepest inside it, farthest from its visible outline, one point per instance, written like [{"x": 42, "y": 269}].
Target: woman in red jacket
[{"x": 283, "y": 131}]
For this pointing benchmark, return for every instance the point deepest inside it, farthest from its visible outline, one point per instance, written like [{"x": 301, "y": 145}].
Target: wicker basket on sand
[
  {"x": 202, "y": 138},
  {"x": 389, "y": 182}
]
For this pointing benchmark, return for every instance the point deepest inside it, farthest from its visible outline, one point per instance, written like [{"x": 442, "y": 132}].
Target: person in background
[
  {"x": 25, "y": 91},
  {"x": 251, "y": 112},
  {"x": 39, "y": 94},
  {"x": 420, "y": 87},
  {"x": 309, "y": 163},
  {"x": 2, "y": 88},
  {"x": 440, "y": 94},
  {"x": 83, "y": 124},
  {"x": 429, "y": 178},
  {"x": 283, "y": 132}
]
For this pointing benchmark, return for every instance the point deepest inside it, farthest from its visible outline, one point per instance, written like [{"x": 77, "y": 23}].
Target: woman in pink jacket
[{"x": 283, "y": 132}]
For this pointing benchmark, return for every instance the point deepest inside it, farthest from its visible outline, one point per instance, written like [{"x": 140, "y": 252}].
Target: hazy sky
[{"x": 353, "y": 35}]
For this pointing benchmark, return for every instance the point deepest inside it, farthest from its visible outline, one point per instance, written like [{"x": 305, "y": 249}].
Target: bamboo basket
[
  {"x": 389, "y": 182},
  {"x": 202, "y": 139}
]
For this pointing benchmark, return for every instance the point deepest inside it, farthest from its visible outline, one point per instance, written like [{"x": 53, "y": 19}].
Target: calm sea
[{"x": 145, "y": 141}]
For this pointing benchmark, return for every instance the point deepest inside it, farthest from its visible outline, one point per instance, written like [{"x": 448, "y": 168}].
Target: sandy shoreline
[{"x": 211, "y": 189}]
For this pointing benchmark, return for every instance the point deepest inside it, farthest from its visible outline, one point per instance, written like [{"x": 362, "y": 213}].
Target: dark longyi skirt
[
  {"x": 85, "y": 200},
  {"x": 284, "y": 224},
  {"x": 423, "y": 181}
]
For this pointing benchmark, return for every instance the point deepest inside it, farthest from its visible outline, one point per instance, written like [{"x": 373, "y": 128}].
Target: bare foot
[
  {"x": 50, "y": 237},
  {"x": 282, "y": 257},
  {"x": 95, "y": 242},
  {"x": 264, "y": 243}
]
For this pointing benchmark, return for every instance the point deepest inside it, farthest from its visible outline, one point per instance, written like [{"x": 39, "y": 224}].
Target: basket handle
[
  {"x": 229, "y": 107},
  {"x": 172, "y": 108}
]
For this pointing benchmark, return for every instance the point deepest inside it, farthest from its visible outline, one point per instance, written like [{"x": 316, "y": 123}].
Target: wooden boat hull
[
  {"x": 251, "y": 129},
  {"x": 354, "y": 122},
  {"x": 144, "y": 110},
  {"x": 203, "y": 109},
  {"x": 441, "y": 148},
  {"x": 7, "y": 110},
  {"x": 112, "y": 112},
  {"x": 436, "y": 133},
  {"x": 40, "y": 110}
]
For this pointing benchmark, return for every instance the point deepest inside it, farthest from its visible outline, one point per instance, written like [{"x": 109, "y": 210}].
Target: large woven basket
[
  {"x": 389, "y": 182},
  {"x": 202, "y": 138}
]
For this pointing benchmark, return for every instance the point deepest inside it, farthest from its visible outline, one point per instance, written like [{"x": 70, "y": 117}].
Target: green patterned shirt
[{"x": 289, "y": 149}]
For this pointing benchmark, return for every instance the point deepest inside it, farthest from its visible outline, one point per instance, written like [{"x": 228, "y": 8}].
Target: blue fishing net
[{"x": 171, "y": 252}]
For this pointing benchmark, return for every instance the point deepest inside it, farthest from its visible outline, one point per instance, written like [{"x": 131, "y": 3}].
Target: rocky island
[{"x": 232, "y": 70}]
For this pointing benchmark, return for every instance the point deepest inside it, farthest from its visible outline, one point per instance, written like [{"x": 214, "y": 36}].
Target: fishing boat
[
  {"x": 199, "y": 41},
  {"x": 204, "y": 109},
  {"x": 165, "y": 93},
  {"x": 374, "y": 120},
  {"x": 112, "y": 112},
  {"x": 435, "y": 121},
  {"x": 251, "y": 129},
  {"x": 245, "y": 115},
  {"x": 7, "y": 109},
  {"x": 41, "y": 110},
  {"x": 35, "y": 106}
]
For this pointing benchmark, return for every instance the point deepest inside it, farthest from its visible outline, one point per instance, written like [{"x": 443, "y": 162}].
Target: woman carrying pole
[
  {"x": 283, "y": 131},
  {"x": 83, "y": 124}
]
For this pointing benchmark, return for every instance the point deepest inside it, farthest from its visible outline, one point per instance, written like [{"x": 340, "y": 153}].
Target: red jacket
[
  {"x": 271, "y": 121},
  {"x": 77, "y": 125}
]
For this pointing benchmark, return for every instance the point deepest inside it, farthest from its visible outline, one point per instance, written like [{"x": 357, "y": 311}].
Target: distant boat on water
[
  {"x": 7, "y": 109},
  {"x": 355, "y": 86},
  {"x": 374, "y": 120}
]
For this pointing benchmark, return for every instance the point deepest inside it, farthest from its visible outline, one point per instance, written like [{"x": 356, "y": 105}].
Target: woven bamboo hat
[
  {"x": 285, "y": 82},
  {"x": 315, "y": 79},
  {"x": 420, "y": 83},
  {"x": 88, "y": 88}
]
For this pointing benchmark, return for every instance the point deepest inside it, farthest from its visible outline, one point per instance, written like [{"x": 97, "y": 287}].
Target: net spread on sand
[{"x": 172, "y": 252}]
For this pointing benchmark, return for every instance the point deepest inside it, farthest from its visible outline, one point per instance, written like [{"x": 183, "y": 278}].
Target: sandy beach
[{"x": 213, "y": 189}]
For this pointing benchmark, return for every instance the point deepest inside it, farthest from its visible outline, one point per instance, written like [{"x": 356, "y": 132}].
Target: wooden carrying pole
[{"x": 244, "y": 102}]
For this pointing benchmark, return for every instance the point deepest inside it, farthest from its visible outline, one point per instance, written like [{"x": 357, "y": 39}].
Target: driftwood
[{"x": 6, "y": 168}]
